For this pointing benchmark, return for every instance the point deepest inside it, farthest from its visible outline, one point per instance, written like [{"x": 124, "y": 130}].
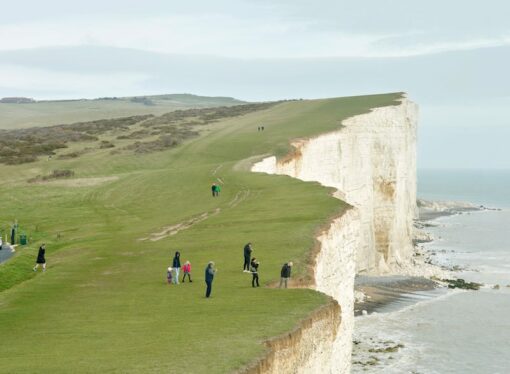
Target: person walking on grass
[
  {"x": 285, "y": 273},
  {"x": 41, "y": 259},
  {"x": 213, "y": 189},
  {"x": 186, "y": 269},
  {"x": 218, "y": 190},
  {"x": 255, "y": 272},
  {"x": 247, "y": 255},
  {"x": 169, "y": 275},
  {"x": 176, "y": 264},
  {"x": 210, "y": 271}
]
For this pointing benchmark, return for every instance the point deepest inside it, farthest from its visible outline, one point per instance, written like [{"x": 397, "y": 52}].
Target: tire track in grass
[{"x": 176, "y": 228}]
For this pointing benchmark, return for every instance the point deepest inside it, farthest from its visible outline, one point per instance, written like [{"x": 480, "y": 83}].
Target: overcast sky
[{"x": 452, "y": 58}]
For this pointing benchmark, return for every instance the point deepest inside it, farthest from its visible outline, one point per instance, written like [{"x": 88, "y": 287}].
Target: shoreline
[
  {"x": 380, "y": 292},
  {"x": 376, "y": 293},
  {"x": 393, "y": 293}
]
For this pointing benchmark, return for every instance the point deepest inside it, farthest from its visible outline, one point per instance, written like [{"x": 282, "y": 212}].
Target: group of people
[
  {"x": 260, "y": 128},
  {"x": 251, "y": 265},
  {"x": 172, "y": 273}
]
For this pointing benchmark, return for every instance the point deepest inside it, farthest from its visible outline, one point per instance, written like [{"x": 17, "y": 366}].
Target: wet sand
[{"x": 383, "y": 291}]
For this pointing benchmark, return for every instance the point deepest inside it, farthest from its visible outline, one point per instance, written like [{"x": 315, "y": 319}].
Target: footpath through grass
[{"x": 103, "y": 305}]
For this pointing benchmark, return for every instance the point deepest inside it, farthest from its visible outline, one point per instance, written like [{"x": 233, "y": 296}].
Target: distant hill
[
  {"x": 19, "y": 112},
  {"x": 17, "y": 100}
]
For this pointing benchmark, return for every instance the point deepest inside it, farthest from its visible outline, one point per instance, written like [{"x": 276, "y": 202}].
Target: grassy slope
[
  {"x": 103, "y": 305},
  {"x": 46, "y": 113}
]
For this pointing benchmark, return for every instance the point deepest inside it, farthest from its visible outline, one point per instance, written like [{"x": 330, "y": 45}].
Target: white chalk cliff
[{"x": 371, "y": 162}]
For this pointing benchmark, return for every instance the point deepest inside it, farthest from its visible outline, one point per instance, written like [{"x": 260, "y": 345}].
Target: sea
[{"x": 451, "y": 331}]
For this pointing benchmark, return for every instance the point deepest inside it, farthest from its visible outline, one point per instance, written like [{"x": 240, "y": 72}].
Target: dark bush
[{"x": 55, "y": 174}]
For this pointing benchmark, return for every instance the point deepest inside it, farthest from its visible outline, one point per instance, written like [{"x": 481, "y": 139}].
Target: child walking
[
  {"x": 186, "y": 269},
  {"x": 169, "y": 275}
]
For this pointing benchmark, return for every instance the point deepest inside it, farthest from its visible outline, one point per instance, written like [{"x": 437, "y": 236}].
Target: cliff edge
[{"x": 371, "y": 162}]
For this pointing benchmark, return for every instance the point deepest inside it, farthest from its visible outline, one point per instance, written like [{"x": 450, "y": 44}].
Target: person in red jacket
[{"x": 186, "y": 269}]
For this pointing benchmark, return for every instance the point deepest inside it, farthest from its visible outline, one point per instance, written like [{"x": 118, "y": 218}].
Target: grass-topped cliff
[{"x": 103, "y": 305}]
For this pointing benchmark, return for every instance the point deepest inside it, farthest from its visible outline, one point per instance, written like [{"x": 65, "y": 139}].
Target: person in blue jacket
[{"x": 210, "y": 271}]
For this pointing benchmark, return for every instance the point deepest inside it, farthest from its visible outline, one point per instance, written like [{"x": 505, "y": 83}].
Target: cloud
[{"x": 227, "y": 36}]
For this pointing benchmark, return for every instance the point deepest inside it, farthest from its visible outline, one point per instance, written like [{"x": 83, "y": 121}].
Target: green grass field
[
  {"x": 47, "y": 113},
  {"x": 103, "y": 305}
]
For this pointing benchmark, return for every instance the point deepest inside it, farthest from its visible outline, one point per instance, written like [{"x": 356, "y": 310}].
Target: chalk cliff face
[{"x": 371, "y": 161}]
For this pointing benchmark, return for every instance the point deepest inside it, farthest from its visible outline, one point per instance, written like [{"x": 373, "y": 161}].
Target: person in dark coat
[
  {"x": 210, "y": 271},
  {"x": 41, "y": 260},
  {"x": 255, "y": 272},
  {"x": 214, "y": 190},
  {"x": 176, "y": 264},
  {"x": 247, "y": 255},
  {"x": 285, "y": 273}
]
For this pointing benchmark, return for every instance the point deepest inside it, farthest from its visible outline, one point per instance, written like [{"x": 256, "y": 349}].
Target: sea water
[{"x": 459, "y": 331}]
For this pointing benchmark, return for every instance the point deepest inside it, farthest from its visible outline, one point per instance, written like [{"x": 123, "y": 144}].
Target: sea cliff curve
[{"x": 371, "y": 162}]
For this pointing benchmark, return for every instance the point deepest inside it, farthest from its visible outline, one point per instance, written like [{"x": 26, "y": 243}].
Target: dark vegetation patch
[
  {"x": 140, "y": 134},
  {"x": 142, "y": 100},
  {"x": 26, "y": 145},
  {"x": 205, "y": 115},
  {"x": 106, "y": 144},
  {"x": 74, "y": 154},
  {"x": 55, "y": 174},
  {"x": 102, "y": 126}
]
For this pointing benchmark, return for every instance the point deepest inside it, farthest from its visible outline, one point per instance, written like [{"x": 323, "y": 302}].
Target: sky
[{"x": 450, "y": 57}]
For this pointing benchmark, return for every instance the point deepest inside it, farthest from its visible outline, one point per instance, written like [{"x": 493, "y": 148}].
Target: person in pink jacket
[{"x": 186, "y": 270}]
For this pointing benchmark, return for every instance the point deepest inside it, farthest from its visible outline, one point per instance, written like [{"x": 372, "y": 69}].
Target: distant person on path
[
  {"x": 169, "y": 275},
  {"x": 186, "y": 269},
  {"x": 41, "y": 260},
  {"x": 285, "y": 273},
  {"x": 213, "y": 189},
  {"x": 176, "y": 264},
  {"x": 255, "y": 272},
  {"x": 218, "y": 190},
  {"x": 247, "y": 255},
  {"x": 210, "y": 271}
]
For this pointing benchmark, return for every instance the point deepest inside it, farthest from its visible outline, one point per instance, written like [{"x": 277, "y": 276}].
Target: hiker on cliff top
[
  {"x": 285, "y": 273},
  {"x": 247, "y": 255},
  {"x": 210, "y": 271},
  {"x": 255, "y": 272},
  {"x": 176, "y": 264}
]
